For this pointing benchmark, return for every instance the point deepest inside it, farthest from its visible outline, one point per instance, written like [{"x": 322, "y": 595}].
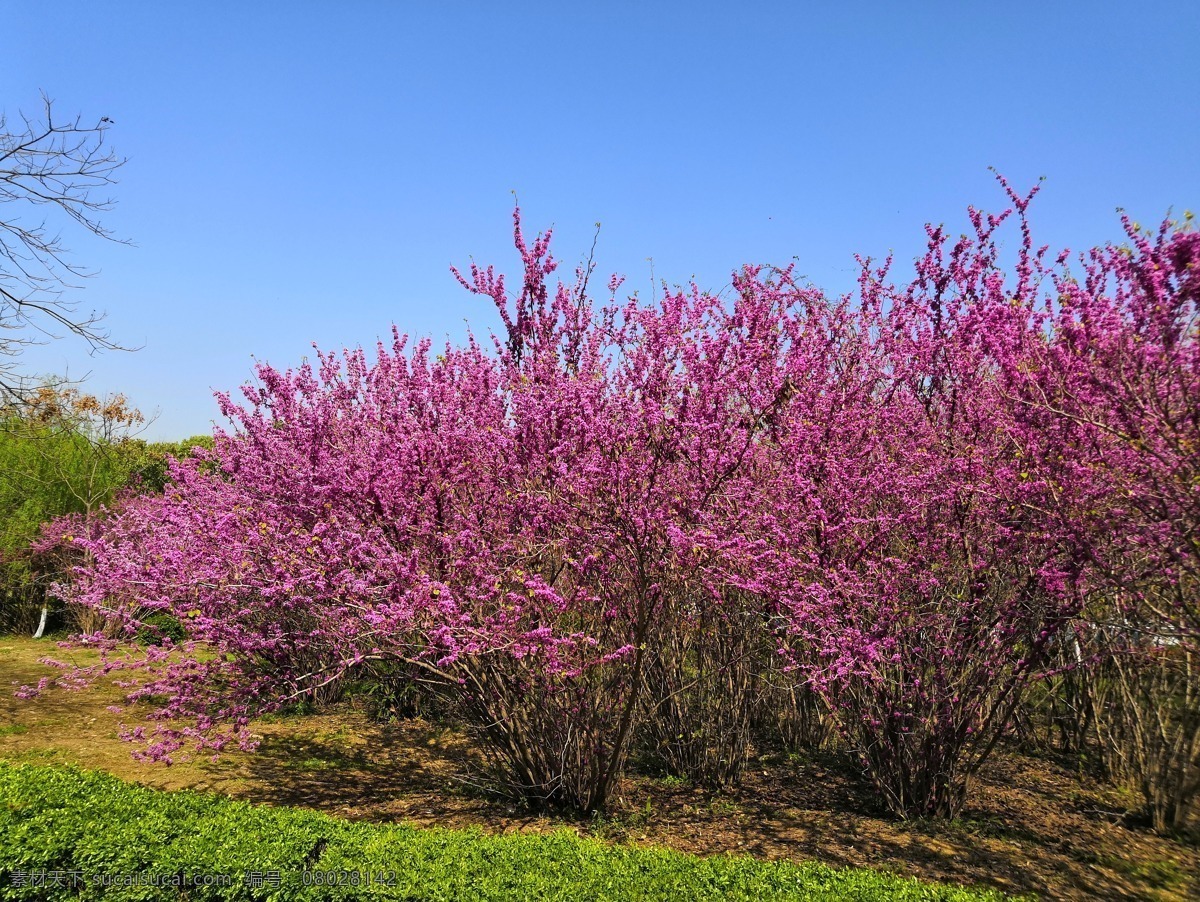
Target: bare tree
[{"x": 58, "y": 171}]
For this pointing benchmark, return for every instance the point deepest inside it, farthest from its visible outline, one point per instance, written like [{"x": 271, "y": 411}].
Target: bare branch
[{"x": 64, "y": 168}]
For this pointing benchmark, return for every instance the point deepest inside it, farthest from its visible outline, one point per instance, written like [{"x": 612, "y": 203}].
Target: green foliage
[
  {"x": 153, "y": 465},
  {"x": 388, "y": 692},
  {"x": 63, "y": 452},
  {"x": 46, "y": 471},
  {"x": 63, "y": 819},
  {"x": 160, "y": 625}
]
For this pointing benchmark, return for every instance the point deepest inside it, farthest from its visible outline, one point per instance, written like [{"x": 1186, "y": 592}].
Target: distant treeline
[{"x": 65, "y": 452}]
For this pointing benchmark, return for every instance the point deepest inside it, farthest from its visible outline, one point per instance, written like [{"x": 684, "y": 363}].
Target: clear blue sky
[{"x": 306, "y": 171}]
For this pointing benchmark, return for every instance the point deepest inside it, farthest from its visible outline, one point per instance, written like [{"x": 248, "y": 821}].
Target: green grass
[
  {"x": 1159, "y": 874},
  {"x": 64, "y": 819}
]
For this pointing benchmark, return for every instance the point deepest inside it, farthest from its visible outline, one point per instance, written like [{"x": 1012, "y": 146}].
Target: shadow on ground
[{"x": 1033, "y": 825}]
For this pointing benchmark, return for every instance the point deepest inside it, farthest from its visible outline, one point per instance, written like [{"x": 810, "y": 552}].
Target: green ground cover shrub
[{"x": 63, "y": 825}]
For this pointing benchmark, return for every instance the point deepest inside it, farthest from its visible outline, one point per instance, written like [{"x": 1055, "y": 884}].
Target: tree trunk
[{"x": 41, "y": 627}]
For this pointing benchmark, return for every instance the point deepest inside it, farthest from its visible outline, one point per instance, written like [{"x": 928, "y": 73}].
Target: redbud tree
[
  {"x": 514, "y": 525},
  {"x": 916, "y": 583},
  {"x": 1113, "y": 398},
  {"x": 597, "y": 525}
]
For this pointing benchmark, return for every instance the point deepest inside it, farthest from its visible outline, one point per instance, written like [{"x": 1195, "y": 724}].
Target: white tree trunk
[{"x": 41, "y": 623}]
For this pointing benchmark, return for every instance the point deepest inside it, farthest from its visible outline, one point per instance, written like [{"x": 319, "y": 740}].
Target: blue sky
[{"x": 307, "y": 172}]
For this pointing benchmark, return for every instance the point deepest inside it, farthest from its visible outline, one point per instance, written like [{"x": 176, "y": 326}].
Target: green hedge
[{"x": 57, "y": 820}]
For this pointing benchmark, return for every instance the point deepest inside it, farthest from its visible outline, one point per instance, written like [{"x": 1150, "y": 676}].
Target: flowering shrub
[
  {"x": 1114, "y": 396},
  {"x": 606, "y": 522},
  {"x": 511, "y": 524},
  {"x": 917, "y": 581}
]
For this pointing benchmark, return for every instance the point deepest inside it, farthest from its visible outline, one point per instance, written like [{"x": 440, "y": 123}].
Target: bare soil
[{"x": 1033, "y": 826}]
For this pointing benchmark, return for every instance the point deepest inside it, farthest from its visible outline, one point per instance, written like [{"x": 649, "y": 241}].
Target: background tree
[
  {"x": 63, "y": 453},
  {"x": 51, "y": 172}
]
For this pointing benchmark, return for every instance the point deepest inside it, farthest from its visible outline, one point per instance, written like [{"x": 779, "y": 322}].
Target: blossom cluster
[{"x": 905, "y": 495}]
